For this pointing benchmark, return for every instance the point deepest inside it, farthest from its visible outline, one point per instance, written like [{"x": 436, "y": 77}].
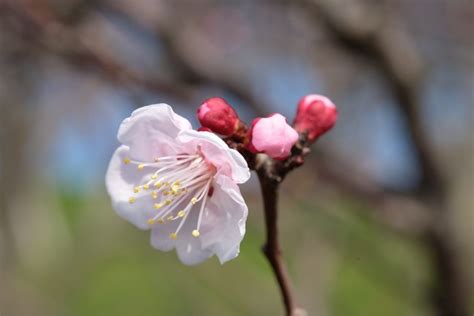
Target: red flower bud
[
  {"x": 218, "y": 116},
  {"x": 316, "y": 114}
]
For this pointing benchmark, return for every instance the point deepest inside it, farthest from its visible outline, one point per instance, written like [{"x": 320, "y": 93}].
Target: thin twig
[
  {"x": 271, "y": 249},
  {"x": 270, "y": 174}
]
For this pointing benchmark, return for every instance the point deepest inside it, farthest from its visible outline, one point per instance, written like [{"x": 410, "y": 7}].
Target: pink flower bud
[
  {"x": 218, "y": 116},
  {"x": 273, "y": 136},
  {"x": 316, "y": 114}
]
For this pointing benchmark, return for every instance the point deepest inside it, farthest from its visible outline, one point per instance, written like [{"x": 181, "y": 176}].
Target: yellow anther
[
  {"x": 166, "y": 193},
  {"x": 167, "y": 183},
  {"x": 146, "y": 186},
  {"x": 177, "y": 182},
  {"x": 154, "y": 176},
  {"x": 158, "y": 184},
  {"x": 131, "y": 200},
  {"x": 168, "y": 202},
  {"x": 154, "y": 195},
  {"x": 160, "y": 221},
  {"x": 175, "y": 188},
  {"x": 126, "y": 161},
  {"x": 195, "y": 233},
  {"x": 181, "y": 213},
  {"x": 136, "y": 189},
  {"x": 141, "y": 166},
  {"x": 157, "y": 206},
  {"x": 170, "y": 217},
  {"x": 151, "y": 221},
  {"x": 173, "y": 236},
  {"x": 194, "y": 200}
]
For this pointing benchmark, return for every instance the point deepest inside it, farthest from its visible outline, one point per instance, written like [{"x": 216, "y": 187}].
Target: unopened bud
[
  {"x": 218, "y": 116},
  {"x": 273, "y": 136},
  {"x": 316, "y": 114}
]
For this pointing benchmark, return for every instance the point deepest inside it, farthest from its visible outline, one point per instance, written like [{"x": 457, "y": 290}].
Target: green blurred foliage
[{"x": 109, "y": 268}]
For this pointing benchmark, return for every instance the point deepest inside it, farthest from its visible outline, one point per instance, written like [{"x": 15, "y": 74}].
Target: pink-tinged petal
[
  {"x": 165, "y": 189},
  {"x": 160, "y": 236},
  {"x": 228, "y": 162},
  {"x": 120, "y": 180},
  {"x": 223, "y": 223},
  {"x": 273, "y": 136},
  {"x": 151, "y": 130},
  {"x": 188, "y": 248},
  {"x": 190, "y": 251}
]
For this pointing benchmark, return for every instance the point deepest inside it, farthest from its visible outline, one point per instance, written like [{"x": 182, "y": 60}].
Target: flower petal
[
  {"x": 223, "y": 224},
  {"x": 151, "y": 130},
  {"x": 228, "y": 162},
  {"x": 188, "y": 248},
  {"x": 160, "y": 236},
  {"x": 190, "y": 251},
  {"x": 120, "y": 181}
]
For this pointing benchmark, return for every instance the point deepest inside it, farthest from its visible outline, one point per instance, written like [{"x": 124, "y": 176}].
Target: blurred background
[{"x": 379, "y": 221}]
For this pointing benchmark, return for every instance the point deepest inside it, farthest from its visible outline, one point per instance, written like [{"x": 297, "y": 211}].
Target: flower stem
[{"x": 271, "y": 249}]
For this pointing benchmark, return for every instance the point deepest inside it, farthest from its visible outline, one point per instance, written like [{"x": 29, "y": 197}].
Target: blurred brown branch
[
  {"x": 396, "y": 211},
  {"x": 57, "y": 37},
  {"x": 184, "y": 63},
  {"x": 15, "y": 126},
  {"x": 397, "y": 59},
  {"x": 43, "y": 30}
]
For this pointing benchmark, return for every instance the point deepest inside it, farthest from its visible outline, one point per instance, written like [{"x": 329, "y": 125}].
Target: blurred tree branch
[
  {"x": 185, "y": 64},
  {"x": 15, "y": 128},
  {"x": 396, "y": 56},
  {"x": 396, "y": 211},
  {"x": 42, "y": 29},
  {"x": 397, "y": 59}
]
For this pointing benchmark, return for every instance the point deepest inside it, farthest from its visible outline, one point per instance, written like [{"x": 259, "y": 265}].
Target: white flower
[{"x": 180, "y": 183}]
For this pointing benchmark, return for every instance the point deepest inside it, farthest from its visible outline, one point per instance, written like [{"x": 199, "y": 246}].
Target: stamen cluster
[{"x": 174, "y": 185}]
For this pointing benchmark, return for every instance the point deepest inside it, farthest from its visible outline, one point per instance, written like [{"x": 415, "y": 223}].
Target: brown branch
[
  {"x": 266, "y": 170},
  {"x": 270, "y": 174},
  {"x": 271, "y": 249}
]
